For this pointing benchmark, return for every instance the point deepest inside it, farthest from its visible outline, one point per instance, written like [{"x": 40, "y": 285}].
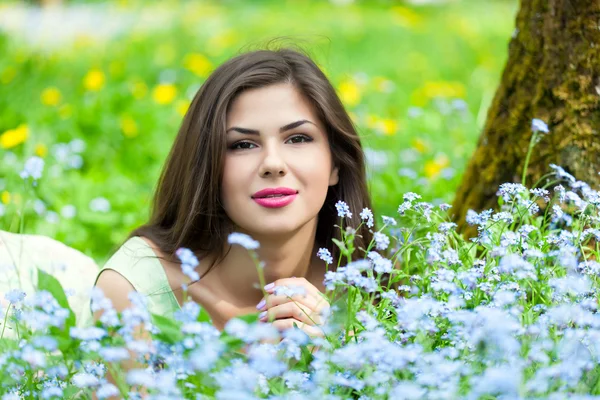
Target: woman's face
[{"x": 273, "y": 148}]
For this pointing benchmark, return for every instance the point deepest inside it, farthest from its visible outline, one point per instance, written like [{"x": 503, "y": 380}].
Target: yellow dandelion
[
  {"x": 14, "y": 137},
  {"x": 182, "y": 106},
  {"x": 138, "y": 89},
  {"x": 433, "y": 168},
  {"x": 444, "y": 89},
  {"x": 420, "y": 145},
  {"x": 8, "y": 75},
  {"x": 164, "y": 93},
  {"x": 349, "y": 93},
  {"x": 94, "y": 80},
  {"x": 5, "y": 197},
  {"x": 41, "y": 150},
  {"x": 129, "y": 127},
  {"x": 433, "y": 89},
  {"x": 198, "y": 64},
  {"x": 50, "y": 96},
  {"x": 388, "y": 126}
]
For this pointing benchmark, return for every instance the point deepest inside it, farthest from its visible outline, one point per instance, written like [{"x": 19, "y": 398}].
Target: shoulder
[{"x": 134, "y": 262}]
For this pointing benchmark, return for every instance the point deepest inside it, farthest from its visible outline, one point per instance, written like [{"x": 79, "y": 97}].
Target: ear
[{"x": 334, "y": 178}]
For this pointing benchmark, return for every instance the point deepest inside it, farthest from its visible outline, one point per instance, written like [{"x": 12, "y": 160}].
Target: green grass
[{"x": 454, "y": 50}]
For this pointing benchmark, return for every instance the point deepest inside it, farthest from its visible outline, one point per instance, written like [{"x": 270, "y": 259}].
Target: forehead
[{"x": 274, "y": 105}]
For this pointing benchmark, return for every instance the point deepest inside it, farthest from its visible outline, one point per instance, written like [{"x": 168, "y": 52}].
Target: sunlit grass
[{"x": 416, "y": 80}]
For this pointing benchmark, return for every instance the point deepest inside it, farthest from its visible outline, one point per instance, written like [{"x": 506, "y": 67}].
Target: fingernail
[
  {"x": 270, "y": 286},
  {"x": 262, "y": 315},
  {"x": 261, "y": 304}
]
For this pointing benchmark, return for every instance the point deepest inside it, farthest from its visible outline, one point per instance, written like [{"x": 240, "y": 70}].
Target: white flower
[
  {"x": 69, "y": 211},
  {"x": 34, "y": 166},
  {"x": 100, "y": 204}
]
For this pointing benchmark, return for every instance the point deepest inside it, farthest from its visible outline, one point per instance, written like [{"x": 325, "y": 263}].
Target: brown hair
[{"x": 186, "y": 210}]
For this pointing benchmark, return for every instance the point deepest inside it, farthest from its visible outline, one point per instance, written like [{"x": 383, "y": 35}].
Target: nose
[{"x": 273, "y": 162}]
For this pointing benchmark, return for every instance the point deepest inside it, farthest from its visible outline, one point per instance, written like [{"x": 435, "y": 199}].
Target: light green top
[{"x": 139, "y": 264}]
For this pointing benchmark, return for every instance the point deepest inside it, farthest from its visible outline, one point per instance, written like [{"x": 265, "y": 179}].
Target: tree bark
[{"x": 552, "y": 73}]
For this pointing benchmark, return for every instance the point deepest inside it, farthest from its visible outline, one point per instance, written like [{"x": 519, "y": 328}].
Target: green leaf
[
  {"x": 203, "y": 316},
  {"x": 340, "y": 244},
  {"x": 170, "y": 331},
  {"x": 52, "y": 285},
  {"x": 249, "y": 318}
]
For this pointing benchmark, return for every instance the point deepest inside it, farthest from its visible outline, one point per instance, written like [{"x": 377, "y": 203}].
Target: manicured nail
[
  {"x": 270, "y": 286},
  {"x": 261, "y": 304},
  {"x": 262, "y": 315}
]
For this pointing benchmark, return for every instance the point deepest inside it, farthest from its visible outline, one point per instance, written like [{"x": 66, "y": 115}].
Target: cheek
[
  {"x": 317, "y": 167},
  {"x": 231, "y": 183}
]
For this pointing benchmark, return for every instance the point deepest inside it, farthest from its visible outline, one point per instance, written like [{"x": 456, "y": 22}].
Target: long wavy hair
[{"x": 186, "y": 209}]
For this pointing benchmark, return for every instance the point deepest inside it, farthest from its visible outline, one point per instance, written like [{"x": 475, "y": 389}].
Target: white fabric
[{"x": 74, "y": 270}]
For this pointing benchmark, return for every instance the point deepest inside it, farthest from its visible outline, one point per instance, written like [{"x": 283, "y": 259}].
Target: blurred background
[{"x": 98, "y": 90}]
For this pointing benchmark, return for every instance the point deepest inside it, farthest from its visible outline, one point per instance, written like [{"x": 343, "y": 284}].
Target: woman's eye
[
  {"x": 246, "y": 145},
  {"x": 304, "y": 137},
  {"x": 237, "y": 145}
]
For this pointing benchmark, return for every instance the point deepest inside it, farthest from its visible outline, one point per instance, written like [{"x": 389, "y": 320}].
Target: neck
[{"x": 284, "y": 256}]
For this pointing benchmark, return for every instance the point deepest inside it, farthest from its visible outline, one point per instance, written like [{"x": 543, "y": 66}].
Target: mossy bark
[{"x": 552, "y": 73}]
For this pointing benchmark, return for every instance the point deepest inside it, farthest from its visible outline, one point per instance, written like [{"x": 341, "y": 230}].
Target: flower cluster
[{"x": 511, "y": 313}]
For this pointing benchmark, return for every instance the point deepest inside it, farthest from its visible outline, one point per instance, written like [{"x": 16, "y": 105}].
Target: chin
[{"x": 277, "y": 225}]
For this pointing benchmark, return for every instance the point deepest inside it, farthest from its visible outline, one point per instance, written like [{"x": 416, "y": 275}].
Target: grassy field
[{"x": 102, "y": 106}]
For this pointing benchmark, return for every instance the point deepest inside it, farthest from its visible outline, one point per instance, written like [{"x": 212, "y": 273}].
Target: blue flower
[
  {"x": 342, "y": 209},
  {"x": 537, "y": 125},
  {"x": 325, "y": 255},
  {"x": 367, "y": 216},
  {"x": 388, "y": 220},
  {"x": 381, "y": 241},
  {"x": 33, "y": 168},
  {"x": 188, "y": 263},
  {"x": 84, "y": 380},
  {"x": 187, "y": 256},
  {"x": 15, "y": 296},
  {"x": 107, "y": 390},
  {"x": 243, "y": 240}
]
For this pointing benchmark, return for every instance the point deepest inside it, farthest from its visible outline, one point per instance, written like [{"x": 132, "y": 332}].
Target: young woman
[{"x": 266, "y": 149}]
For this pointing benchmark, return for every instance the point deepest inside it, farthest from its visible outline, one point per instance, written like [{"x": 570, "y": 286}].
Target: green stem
[
  {"x": 531, "y": 145},
  {"x": 5, "y": 317}
]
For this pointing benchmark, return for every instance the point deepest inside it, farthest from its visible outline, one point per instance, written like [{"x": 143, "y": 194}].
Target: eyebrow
[{"x": 281, "y": 130}]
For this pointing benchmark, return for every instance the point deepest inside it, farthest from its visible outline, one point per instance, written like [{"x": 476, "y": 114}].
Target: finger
[
  {"x": 302, "y": 282},
  {"x": 288, "y": 323},
  {"x": 316, "y": 304},
  {"x": 292, "y": 310}
]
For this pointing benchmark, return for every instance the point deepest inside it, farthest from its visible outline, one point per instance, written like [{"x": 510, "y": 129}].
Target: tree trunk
[{"x": 552, "y": 73}]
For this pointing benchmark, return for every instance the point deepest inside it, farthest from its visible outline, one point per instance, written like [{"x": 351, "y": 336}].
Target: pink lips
[{"x": 284, "y": 196}]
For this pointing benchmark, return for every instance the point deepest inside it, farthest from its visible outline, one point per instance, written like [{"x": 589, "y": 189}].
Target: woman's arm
[{"x": 116, "y": 288}]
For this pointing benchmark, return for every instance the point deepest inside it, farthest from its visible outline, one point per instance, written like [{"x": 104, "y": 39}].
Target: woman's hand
[{"x": 295, "y": 300}]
